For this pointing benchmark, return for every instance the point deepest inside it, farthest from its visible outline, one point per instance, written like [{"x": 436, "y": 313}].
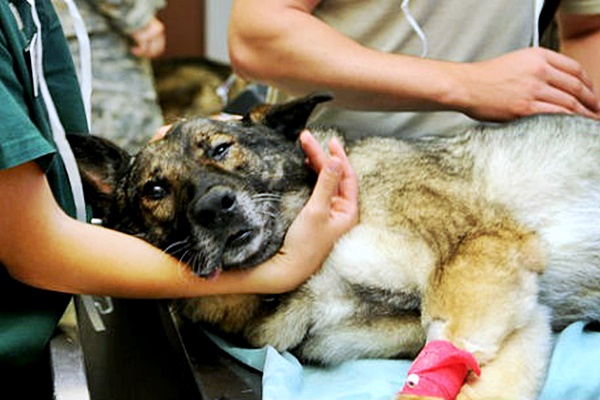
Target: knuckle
[
  {"x": 539, "y": 52},
  {"x": 523, "y": 108},
  {"x": 316, "y": 213},
  {"x": 573, "y": 104},
  {"x": 541, "y": 70},
  {"x": 579, "y": 88},
  {"x": 578, "y": 70}
]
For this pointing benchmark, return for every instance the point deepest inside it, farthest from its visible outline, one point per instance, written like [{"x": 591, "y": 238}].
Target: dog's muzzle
[{"x": 216, "y": 208}]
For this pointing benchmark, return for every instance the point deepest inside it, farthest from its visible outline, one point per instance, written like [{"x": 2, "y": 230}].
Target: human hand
[
  {"x": 163, "y": 130},
  {"x": 331, "y": 211},
  {"x": 160, "y": 132},
  {"x": 337, "y": 187},
  {"x": 150, "y": 41},
  {"x": 525, "y": 82}
]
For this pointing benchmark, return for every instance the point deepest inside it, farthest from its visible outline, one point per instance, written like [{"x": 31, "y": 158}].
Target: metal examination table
[{"x": 136, "y": 352}]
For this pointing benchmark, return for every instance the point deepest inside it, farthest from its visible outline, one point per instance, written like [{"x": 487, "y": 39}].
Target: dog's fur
[{"x": 486, "y": 238}]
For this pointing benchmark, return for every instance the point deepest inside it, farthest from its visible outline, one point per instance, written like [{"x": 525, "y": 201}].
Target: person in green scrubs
[{"x": 46, "y": 253}]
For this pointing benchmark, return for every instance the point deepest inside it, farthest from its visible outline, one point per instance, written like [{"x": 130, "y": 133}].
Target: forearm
[
  {"x": 283, "y": 45},
  {"x": 279, "y": 42},
  {"x": 91, "y": 259},
  {"x": 81, "y": 258},
  {"x": 43, "y": 247}
]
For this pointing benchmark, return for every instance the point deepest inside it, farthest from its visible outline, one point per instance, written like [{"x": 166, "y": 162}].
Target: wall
[
  {"x": 217, "y": 17},
  {"x": 185, "y": 28},
  {"x": 197, "y": 28}
]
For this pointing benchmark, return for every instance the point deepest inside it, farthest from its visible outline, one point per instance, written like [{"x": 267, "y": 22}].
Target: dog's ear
[
  {"x": 101, "y": 164},
  {"x": 289, "y": 118}
]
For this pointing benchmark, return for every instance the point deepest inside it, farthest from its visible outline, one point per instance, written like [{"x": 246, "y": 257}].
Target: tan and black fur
[{"x": 487, "y": 238}]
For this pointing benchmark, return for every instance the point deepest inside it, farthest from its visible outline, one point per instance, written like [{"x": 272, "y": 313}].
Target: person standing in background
[
  {"x": 413, "y": 68},
  {"x": 124, "y": 36}
]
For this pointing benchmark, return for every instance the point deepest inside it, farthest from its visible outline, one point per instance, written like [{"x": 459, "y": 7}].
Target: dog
[
  {"x": 487, "y": 238},
  {"x": 194, "y": 86}
]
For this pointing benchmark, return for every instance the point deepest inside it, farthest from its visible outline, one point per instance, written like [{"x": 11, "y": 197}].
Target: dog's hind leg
[
  {"x": 484, "y": 300},
  {"x": 520, "y": 366}
]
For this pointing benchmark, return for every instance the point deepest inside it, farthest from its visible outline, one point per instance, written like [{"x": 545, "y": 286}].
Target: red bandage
[{"x": 439, "y": 371}]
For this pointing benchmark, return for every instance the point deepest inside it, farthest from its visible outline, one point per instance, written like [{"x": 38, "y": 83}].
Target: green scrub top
[{"x": 28, "y": 316}]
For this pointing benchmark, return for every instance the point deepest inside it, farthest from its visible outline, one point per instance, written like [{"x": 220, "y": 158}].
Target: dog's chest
[{"x": 365, "y": 275}]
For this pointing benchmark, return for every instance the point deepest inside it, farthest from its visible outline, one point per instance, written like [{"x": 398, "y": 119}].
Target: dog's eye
[
  {"x": 155, "y": 190},
  {"x": 220, "y": 151}
]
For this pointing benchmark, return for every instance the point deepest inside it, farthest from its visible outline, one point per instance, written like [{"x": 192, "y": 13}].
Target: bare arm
[
  {"x": 43, "y": 247},
  {"x": 580, "y": 39},
  {"x": 283, "y": 44}
]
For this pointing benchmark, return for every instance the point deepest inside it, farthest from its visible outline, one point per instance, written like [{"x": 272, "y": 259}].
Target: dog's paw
[
  {"x": 229, "y": 313},
  {"x": 279, "y": 330}
]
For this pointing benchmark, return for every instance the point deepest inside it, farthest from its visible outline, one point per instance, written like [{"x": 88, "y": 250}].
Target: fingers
[
  {"x": 348, "y": 186},
  {"x": 160, "y": 132},
  {"x": 336, "y": 148},
  {"x": 346, "y": 183},
  {"x": 327, "y": 186},
  {"x": 149, "y": 41},
  {"x": 559, "y": 101},
  {"x": 569, "y": 66},
  {"x": 316, "y": 156},
  {"x": 574, "y": 89},
  {"x": 525, "y": 82}
]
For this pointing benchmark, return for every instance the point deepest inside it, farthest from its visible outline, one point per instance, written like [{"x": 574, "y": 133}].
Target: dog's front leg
[
  {"x": 481, "y": 305},
  {"x": 287, "y": 326}
]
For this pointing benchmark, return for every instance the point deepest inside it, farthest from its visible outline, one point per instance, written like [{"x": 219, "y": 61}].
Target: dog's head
[{"x": 215, "y": 194}]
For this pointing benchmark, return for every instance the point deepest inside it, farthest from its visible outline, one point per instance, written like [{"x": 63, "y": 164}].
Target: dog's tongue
[
  {"x": 214, "y": 275},
  {"x": 212, "y": 262}
]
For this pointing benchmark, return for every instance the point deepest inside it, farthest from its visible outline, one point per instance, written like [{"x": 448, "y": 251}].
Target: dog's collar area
[{"x": 439, "y": 371}]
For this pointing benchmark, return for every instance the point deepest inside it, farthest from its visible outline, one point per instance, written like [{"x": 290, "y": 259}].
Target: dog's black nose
[{"x": 215, "y": 206}]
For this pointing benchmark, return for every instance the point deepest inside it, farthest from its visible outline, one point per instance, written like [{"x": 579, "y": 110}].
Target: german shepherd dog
[{"x": 487, "y": 239}]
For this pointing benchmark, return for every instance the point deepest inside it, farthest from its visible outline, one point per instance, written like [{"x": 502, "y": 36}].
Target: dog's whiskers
[
  {"x": 269, "y": 213},
  {"x": 264, "y": 197},
  {"x": 184, "y": 252},
  {"x": 172, "y": 248},
  {"x": 189, "y": 257}
]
